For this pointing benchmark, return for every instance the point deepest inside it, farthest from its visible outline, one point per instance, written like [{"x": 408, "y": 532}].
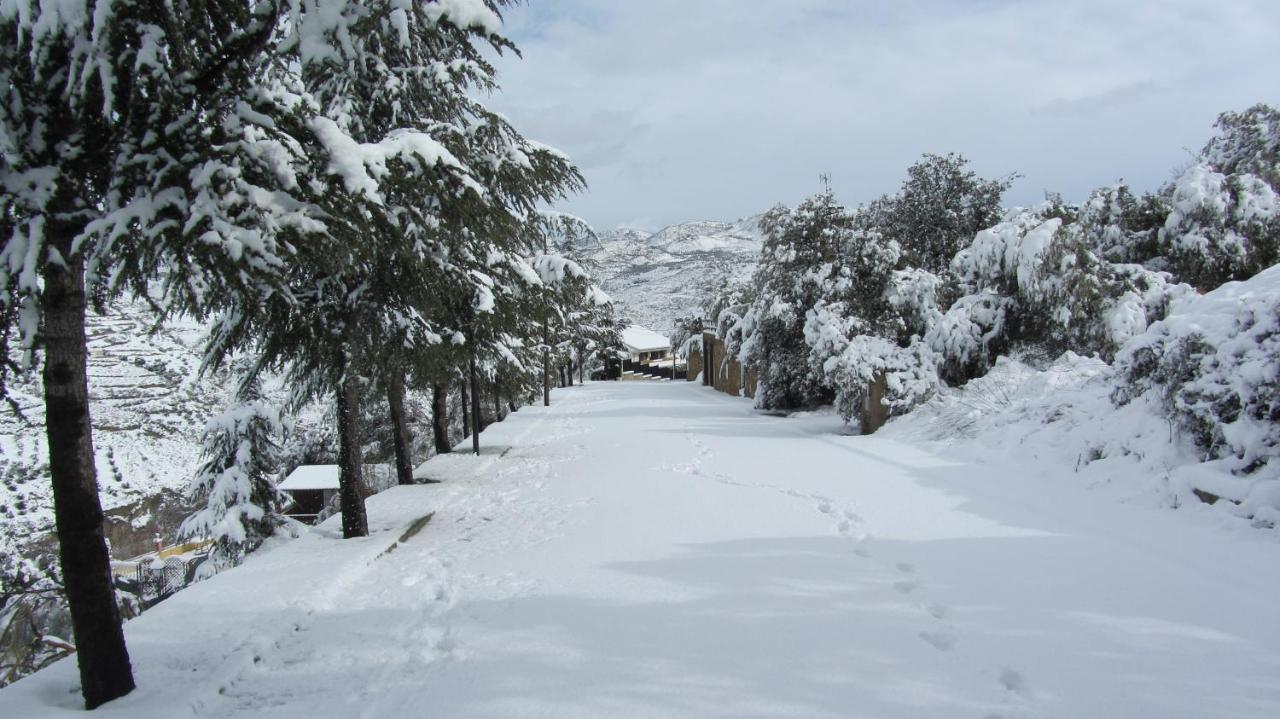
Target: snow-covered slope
[
  {"x": 655, "y": 278},
  {"x": 148, "y": 405}
]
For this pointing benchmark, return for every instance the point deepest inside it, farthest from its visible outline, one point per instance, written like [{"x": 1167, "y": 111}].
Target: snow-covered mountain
[{"x": 655, "y": 278}]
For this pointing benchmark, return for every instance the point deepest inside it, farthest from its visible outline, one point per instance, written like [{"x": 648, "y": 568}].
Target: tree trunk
[
  {"x": 475, "y": 407},
  {"x": 546, "y": 362},
  {"x": 466, "y": 411},
  {"x": 105, "y": 671},
  {"x": 440, "y": 418},
  {"x": 351, "y": 492},
  {"x": 399, "y": 427},
  {"x": 497, "y": 404},
  {"x": 581, "y": 368},
  {"x": 569, "y": 374}
]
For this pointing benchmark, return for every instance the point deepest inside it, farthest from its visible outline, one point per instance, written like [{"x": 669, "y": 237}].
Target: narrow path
[{"x": 659, "y": 550}]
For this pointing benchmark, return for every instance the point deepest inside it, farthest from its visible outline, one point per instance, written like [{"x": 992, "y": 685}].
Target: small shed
[
  {"x": 311, "y": 487},
  {"x": 643, "y": 345}
]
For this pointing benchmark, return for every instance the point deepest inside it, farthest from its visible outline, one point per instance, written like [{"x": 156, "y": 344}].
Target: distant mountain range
[{"x": 655, "y": 278}]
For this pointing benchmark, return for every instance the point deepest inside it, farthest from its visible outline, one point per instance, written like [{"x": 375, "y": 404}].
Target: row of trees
[
  {"x": 315, "y": 180},
  {"x": 927, "y": 286}
]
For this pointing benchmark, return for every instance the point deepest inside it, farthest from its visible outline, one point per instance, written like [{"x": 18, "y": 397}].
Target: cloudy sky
[{"x": 681, "y": 110}]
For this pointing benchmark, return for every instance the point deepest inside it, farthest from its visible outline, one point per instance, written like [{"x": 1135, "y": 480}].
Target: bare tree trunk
[
  {"x": 440, "y": 418},
  {"x": 399, "y": 427},
  {"x": 582, "y": 364},
  {"x": 105, "y": 671},
  {"x": 475, "y": 407},
  {"x": 569, "y": 373},
  {"x": 466, "y": 410},
  {"x": 351, "y": 492}
]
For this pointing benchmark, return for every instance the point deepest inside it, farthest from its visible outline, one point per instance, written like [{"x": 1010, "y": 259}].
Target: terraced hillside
[{"x": 148, "y": 405}]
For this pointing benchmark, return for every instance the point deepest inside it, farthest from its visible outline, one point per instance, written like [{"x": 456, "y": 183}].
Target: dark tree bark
[
  {"x": 440, "y": 418},
  {"x": 475, "y": 406},
  {"x": 399, "y": 426},
  {"x": 546, "y": 362},
  {"x": 351, "y": 492},
  {"x": 569, "y": 374},
  {"x": 582, "y": 365},
  {"x": 466, "y": 410},
  {"x": 497, "y": 404},
  {"x": 105, "y": 671}
]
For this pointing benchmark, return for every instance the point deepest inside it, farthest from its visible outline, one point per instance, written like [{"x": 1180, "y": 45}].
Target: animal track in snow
[
  {"x": 942, "y": 641},
  {"x": 1012, "y": 680}
]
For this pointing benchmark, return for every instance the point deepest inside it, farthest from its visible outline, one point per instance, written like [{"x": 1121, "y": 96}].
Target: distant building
[
  {"x": 311, "y": 487},
  {"x": 644, "y": 345}
]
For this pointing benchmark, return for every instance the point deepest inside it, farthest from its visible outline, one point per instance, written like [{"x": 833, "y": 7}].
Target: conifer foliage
[
  {"x": 235, "y": 483},
  {"x": 111, "y": 134}
]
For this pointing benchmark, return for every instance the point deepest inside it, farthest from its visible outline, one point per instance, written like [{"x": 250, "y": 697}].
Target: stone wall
[{"x": 728, "y": 377}]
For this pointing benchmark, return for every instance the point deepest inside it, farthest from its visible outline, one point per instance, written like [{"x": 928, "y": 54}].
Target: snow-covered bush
[
  {"x": 910, "y": 373},
  {"x": 937, "y": 210},
  {"x": 1247, "y": 143},
  {"x": 687, "y": 333},
  {"x": 969, "y": 335},
  {"x": 914, "y": 295},
  {"x": 1035, "y": 280},
  {"x": 234, "y": 487},
  {"x": 1221, "y": 227},
  {"x": 1224, "y": 222},
  {"x": 1215, "y": 360},
  {"x": 795, "y": 266},
  {"x": 1121, "y": 227}
]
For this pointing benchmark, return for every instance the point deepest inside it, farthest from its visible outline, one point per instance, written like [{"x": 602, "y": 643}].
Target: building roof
[
  {"x": 311, "y": 476},
  {"x": 643, "y": 339}
]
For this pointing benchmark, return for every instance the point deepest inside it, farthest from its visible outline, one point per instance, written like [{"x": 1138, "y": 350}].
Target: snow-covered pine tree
[
  {"x": 420, "y": 186},
  {"x": 234, "y": 487},
  {"x": 580, "y": 314},
  {"x": 117, "y": 148}
]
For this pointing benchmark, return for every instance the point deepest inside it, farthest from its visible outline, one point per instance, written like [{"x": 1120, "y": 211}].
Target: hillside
[
  {"x": 149, "y": 406},
  {"x": 655, "y": 278}
]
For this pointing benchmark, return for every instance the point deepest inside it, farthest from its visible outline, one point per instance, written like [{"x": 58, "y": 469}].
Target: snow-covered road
[{"x": 660, "y": 550}]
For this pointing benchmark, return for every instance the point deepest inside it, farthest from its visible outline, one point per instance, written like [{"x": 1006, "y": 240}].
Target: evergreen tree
[
  {"x": 234, "y": 487},
  {"x": 940, "y": 207},
  {"x": 117, "y": 146},
  {"x": 423, "y": 190}
]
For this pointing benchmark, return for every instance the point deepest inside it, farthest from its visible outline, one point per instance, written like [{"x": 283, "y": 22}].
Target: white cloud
[{"x": 679, "y": 110}]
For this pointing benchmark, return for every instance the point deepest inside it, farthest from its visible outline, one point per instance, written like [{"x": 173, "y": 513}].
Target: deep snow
[{"x": 656, "y": 549}]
